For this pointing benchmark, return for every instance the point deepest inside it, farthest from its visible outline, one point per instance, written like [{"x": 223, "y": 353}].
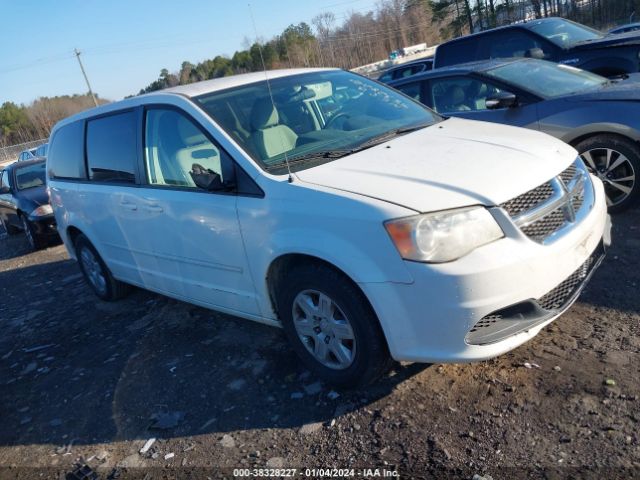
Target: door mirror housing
[
  {"x": 501, "y": 100},
  {"x": 4, "y": 190}
]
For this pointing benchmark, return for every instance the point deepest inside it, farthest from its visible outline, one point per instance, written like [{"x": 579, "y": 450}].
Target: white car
[{"x": 360, "y": 221}]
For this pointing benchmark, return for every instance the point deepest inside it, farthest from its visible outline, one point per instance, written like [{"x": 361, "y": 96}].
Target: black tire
[
  {"x": 593, "y": 151},
  {"x": 112, "y": 289},
  {"x": 35, "y": 241},
  {"x": 371, "y": 358}
]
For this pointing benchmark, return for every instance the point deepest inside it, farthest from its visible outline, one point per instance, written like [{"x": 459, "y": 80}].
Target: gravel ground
[{"x": 84, "y": 382}]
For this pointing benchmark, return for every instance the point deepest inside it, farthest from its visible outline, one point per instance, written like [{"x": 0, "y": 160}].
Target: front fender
[
  {"x": 348, "y": 234},
  {"x": 603, "y": 127}
]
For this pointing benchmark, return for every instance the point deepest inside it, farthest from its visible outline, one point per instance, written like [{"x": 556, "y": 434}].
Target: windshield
[
  {"x": 564, "y": 32},
  {"x": 316, "y": 116},
  {"x": 547, "y": 79},
  {"x": 30, "y": 176}
]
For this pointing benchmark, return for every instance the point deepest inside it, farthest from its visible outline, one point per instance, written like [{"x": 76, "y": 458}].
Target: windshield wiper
[
  {"x": 312, "y": 156},
  {"x": 377, "y": 140},
  {"x": 343, "y": 152}
]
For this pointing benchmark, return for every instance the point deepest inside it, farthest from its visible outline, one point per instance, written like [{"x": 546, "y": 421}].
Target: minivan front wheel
[
  {"x": 331, "y": 326},
  {"x": 96, "y": 273}
]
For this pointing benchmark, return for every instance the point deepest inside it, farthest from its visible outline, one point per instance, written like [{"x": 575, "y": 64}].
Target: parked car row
[
  {"x": 487, "y": 76},
  {"x": 559, "y": 40},
  {"x": 595, "y": 115}
]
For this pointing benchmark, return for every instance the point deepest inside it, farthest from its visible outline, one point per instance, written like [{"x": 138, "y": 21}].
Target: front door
[
  {"x": 466, "y": 97},
  {"x": 192, "y": 244}
]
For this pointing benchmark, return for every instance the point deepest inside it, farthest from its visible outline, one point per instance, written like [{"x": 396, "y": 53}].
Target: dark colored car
[
  {"x": 406, "y": 70},
  {"x": 597, "y": 116},
  {"x": 554, "y": 39},
  {"x": 24, "y": 202},
  {"x": 629, "y": 27}
]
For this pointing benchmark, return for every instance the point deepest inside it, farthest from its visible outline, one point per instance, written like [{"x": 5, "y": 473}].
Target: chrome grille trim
[{"x": 546, "y": 212}]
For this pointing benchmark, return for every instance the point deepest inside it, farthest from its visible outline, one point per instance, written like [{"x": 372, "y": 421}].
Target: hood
[
  {"x": 36, "y": 195},
  {"x": 614, "y": 40},
  {"x": 626, "y": 89},
  {"x": 451, "y": 164}
]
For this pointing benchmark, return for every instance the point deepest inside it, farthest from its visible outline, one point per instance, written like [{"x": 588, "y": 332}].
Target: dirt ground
[{"x": 87, "y": 383}]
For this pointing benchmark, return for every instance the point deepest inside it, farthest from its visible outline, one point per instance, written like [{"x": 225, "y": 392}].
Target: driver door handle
[
  {"x": 151, "y": 206},
  {"x": 128, "y": 205}
]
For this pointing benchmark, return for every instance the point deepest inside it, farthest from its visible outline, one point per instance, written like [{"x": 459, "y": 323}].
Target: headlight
[
  {"x": 42, "y": 210},
  {"x": 443, "y": 236}
]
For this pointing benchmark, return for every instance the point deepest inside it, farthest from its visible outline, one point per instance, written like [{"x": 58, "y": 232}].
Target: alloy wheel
[
  {"x": 614, "y": 169},
  {"x": 324, "y": 329},
  {"x": 93, "y": 270}
]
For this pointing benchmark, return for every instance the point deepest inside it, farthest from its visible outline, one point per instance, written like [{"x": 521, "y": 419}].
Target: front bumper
[
  {"x": 431, "y": 319},
  {"x": 44, "y": 226}
]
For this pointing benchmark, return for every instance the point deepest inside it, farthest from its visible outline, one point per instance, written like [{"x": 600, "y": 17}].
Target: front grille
[
  {"x": 527, "y": 314},
  {"x": 568, "y": 173},
  {"x": 527, "y": 201},
  {"x": 567, "y": 190},
  {"x": 544, "y": 227},
  {"x": 486, "y": 322},
  {"x": 560, "y": 295}
]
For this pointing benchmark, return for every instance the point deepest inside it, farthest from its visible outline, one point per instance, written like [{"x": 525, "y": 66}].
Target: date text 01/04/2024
[{"x": 316, "y": 472}]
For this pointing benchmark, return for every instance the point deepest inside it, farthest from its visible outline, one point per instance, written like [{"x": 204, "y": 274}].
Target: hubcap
[
  {"x": 92, "y": 268},
  {"x": 324, "y": 329},
  {"x": 614, "y": 169},
  {"x": 27, "y": 232}
]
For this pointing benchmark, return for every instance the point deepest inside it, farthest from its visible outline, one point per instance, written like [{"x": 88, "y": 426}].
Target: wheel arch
[
  {"x": 279, "y": 266},
  {"x": 72, "y": 233},
  {"x": 594, "y": 130}
]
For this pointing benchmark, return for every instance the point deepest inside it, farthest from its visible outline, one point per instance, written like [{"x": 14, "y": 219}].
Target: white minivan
[{"x": 363, "y": 223}]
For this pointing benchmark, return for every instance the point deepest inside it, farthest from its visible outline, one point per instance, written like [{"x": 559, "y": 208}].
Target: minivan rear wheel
[
  {"x": 331, "y": 326},
  {"x": 96, "y": 273}
]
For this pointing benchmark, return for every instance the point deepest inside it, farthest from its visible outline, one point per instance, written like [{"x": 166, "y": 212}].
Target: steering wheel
[{"x": 332, "y": 120}]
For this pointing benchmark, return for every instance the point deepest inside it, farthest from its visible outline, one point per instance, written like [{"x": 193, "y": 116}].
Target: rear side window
[
  {"x": 412, "y": 90},
  {"x": 454, "y": 53},
  {"x": 513, "y": 42},
  {"x": 112, "y": 148},
  {"x": 66, "y": 155}
]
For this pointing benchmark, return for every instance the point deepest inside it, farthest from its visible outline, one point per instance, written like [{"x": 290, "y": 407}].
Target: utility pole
[{"x": 77, "y": 52}]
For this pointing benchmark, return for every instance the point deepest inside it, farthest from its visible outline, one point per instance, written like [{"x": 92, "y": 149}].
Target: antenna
[{"x": 266, "y": 77}]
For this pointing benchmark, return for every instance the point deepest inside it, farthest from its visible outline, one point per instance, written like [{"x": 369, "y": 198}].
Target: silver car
[{"x": 596, "y": 115}]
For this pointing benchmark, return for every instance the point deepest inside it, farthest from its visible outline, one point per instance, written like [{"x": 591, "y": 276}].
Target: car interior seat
[
  {"x": 181, "y": 146},
  {"x": 476, "y": 96},
  {"x": 269, "y": 137},
  {"x": 454, "y": 99}
]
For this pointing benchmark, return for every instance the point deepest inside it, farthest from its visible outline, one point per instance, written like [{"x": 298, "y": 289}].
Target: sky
[{"x": 125, "y": 43}]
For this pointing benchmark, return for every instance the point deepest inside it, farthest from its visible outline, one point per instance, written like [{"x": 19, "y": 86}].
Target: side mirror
[
  {"x": 535, "y": 53},
  {"x": 4, "y": 190},
  {"x": 501, "y": 100}
]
